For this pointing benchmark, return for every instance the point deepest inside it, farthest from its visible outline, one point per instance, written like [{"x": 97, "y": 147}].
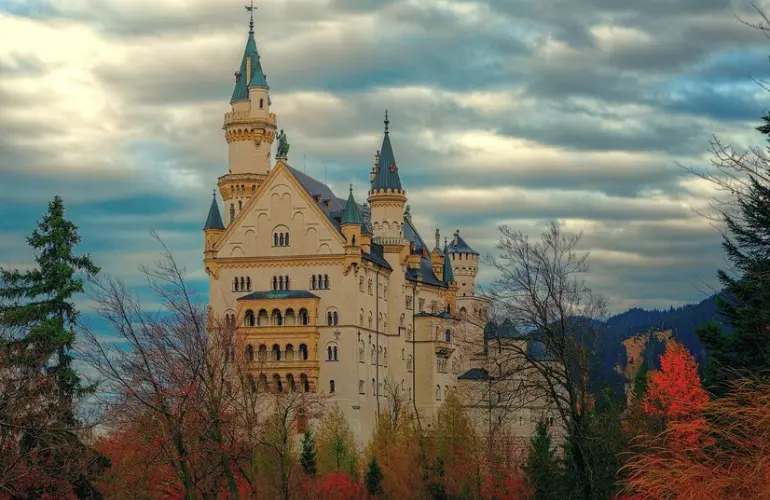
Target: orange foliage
[
  {"x": 727, "y": 456},
  {"x": 502, "y": 485},
  {"x": 675, "y": 392}
]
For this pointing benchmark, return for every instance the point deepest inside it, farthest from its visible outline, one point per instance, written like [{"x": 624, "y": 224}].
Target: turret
[
  {"x": 465, "y": 263},
  {"x": 212, "y": 230},
  {"x": 437, "y": 256},
  {"x": 351, "y": 225},
  {"x": 386, "y": 196},
  {"x": 249, "y": 130}
]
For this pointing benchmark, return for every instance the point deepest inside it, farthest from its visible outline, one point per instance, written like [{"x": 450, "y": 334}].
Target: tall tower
[
  {"x": 386, "y": 197},
  {"x": 249, "y": 130}
]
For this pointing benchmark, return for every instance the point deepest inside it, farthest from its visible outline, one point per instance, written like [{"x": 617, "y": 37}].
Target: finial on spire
[
  {"x": 387, "y": 122},
  {"x": 351, "y": 188},
  {"x": 214, "y": 192},
  {"x": 438, "y": 238},
  {"x": 251, "y": 8}
]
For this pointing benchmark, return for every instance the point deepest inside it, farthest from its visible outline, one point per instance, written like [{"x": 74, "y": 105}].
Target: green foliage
[
  {"x": 594, "y": 457},
  {"x": 746, "y": 305},
  {"x": 336, "y": 444},
  {"x": 38, "y": 318},
  {"x": 373, "y": 479},
  {"x": 542, "y": 469},
  {"x": 307, "y": 458},
  {"x": 640, "y": 382},
  {"x": 39, "y": 303}
]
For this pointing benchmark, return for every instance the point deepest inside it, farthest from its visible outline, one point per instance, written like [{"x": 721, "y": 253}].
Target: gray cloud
[{"x": 502, "y": 111}]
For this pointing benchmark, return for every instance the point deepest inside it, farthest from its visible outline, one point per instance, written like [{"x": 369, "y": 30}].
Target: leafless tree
[
  {"x": 543, "y": 357},
  {"x": 167, "y": 367}
]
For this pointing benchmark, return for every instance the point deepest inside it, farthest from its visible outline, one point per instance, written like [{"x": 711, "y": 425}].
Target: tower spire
[
  {"x": 387, "y": 122},
  {"x": 251, "y": 8}
]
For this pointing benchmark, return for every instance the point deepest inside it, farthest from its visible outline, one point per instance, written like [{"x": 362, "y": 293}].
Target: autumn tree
[
  {"x": 336, "y": 444},
  {"x": 675, "y": 392},
  {"x": 174, "y": 368},
  {"x": 40, "y": 431},
  {"x": 725, "y": 455}
]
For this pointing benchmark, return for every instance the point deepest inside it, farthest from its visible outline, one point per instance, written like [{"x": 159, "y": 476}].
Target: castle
[{"x": 330, "y": 294}]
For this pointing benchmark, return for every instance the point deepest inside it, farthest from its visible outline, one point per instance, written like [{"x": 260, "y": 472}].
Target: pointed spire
[
  {"x": 250, "y": 73},
  {"x": 438, "y": 238},
  {"x": 351, "y": 215},
  {"x": 386, "y": 176},
  {"x": 449, "y": 275},
  {"x": 214, "y": 220}
]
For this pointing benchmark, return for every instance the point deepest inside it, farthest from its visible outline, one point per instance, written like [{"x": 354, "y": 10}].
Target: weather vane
[{"x": 251, "y": 8}]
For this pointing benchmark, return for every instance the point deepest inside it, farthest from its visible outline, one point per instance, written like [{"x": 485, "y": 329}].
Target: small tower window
[
  {"x": 331, "y": 386},
  {"x": 261, "y": 106},
  {"x": 240, "y": 205},
  {"x": 232, "y": 212}
]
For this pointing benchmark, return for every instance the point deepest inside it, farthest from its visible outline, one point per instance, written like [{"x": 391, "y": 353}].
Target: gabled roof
[
  {"x": 386, "y": 176},
  {"x": 214, "y": 220},
  {"x": 475, "y": 374},
  {"x": 461, "y": 246},
  {"x": 257, "y": 77},
  {"x": 426, "y": 267},
  {"x": 279, "y": 294}
]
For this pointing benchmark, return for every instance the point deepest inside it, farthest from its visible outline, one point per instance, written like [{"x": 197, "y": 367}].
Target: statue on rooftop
[{"x": 283, "y": 146}]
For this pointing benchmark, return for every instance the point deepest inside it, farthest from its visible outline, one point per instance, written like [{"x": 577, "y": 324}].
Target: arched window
[
  {"x": 248, "y": 319},
  {"x": 335, "y": 353},
  {"x": 335, "y": 317},
  {"x": 290, "y": 381},
  {"x": 263, "y": 383},
  {"x": 286, "y": 239},
  {"x": 409, "y": 332},
  {"x": 446, "y": 391},
  {"x": 243, "y": 283},
  {"x": 331, "y": 386},
  {"x": 361, "y": 318},
  {"x": 361, "y": 284},
  {"x": 448, "y": 335},
  {"x": 276, "y": 352},
  {"x": 402, "y": 353},
  {"x": 305, "y": 385},
  {"x": 249, "y": 352},
  {"x": 326, "y": 281},
  {"x": 354, "y": 240},
  {"x": 438, "y": 393},
  {"x": 303, "y": 352},
  {"x": 240, "y": 205},
  {"x": 235, "y": 284},
  {"x": 329, "y": 318},
  {"x": 277, "y": 319},
  {"x": 370, "y": 320},
  {"x": 374, "y": 388},
  {"x": 277, "y": 385},
  {"x": 280, "y": 239},
  {"x": 303, "y": 316},
  {"x": 275, "y": 239},
  {"x": 409, "y": 366},
  {"x": 248, "y": 284},
  {"x": 262, "y": 352},
  {"x": 312, "y": 283},
  {"x": 289, "y": 353},
  {"x": 261, "y": 103},
  {"x": 361, "y": 351},
  {"x": 361, "y": 387},
  {"x": 401, "y": 320},
  {"x": 275, "y": 283},
  {"x": 286, "y": 282},
  {"x": 329, "y": 353},
  {"x": 370, "y": 287}
]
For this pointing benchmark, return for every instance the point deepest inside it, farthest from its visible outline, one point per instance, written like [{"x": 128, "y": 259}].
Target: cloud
[{"x": 512, "y": 112}]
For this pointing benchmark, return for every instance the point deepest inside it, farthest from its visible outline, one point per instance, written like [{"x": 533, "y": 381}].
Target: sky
[{"x": 516, "y": 112}]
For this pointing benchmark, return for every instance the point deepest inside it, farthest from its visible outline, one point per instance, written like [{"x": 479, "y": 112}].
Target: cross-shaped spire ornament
[{"x": 251, "y": 8}]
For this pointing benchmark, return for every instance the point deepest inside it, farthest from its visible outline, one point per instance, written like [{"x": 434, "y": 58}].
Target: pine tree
[
  {"x": 542, "y": 468},
  {"x": 373, "y": 478},
  {"x": 640, "y": 382},
  {"x": 38, "y": 304},
  {"x": 746, "y": 305},
  {"x": 308, "y": 457}
]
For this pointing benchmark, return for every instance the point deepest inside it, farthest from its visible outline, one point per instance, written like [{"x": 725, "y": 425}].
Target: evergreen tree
[
  {"x": 373, "y": 479},
  {"x": 38, "y": 303},
  {"x": 640, "y": 382},
  {"x": 542, "y": 468},
  {"x": 746, "y": 305},
  {"x": 307, "y": 458}
]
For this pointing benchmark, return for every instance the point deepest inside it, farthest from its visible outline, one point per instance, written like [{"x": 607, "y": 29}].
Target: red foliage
[
  {"x": 675, "y": 392},
  {"x": 504, "y": 486},
  {"x": 338, "y": 486}
]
